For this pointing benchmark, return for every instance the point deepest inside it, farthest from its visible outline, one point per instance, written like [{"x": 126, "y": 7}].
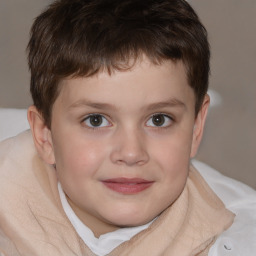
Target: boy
[{"x": 120, "y": 102}]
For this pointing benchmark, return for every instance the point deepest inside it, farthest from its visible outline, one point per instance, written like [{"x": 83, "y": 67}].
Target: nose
[{"x": 129, "y": 148}]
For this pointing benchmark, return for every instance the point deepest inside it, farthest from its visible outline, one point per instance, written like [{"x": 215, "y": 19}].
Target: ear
[
  {"x": 199, "y": 126},
  {"x": 41, "y": 135}
]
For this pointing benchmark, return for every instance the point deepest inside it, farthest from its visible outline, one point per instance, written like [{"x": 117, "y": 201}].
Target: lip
[{"x": 127, "y": 186}]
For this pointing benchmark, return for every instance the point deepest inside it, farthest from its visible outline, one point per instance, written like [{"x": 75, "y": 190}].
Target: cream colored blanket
[{"x": 33, "y": 223}]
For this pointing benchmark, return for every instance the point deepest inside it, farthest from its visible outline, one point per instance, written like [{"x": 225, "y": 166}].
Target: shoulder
[
  {"x": 240, "y": 238},
  {"x": 16, "y": 153},
  {"x": 18, "y": 171},
  {"x": 23, "y": 174},
  {"x": 31, "y": 214}
]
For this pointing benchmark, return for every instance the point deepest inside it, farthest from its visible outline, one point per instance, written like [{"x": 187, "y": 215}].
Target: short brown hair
[{"x": 84, "y": 37}]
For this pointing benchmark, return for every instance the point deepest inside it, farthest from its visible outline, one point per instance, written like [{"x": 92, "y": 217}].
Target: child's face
[{"x": 122, "y": 143}]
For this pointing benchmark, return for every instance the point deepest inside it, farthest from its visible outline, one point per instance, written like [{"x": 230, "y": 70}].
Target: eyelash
[
  {"x": 171, "y": 120},
  {"x": 95, "y": 115}
]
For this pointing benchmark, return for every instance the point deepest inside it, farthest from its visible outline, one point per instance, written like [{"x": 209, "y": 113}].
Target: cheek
[
  {"x": 76, "y": 159},
  {"x": 173, "y": 150},
  {"x": 173, "y": 157},
  {"x": 174, "y": 163}
]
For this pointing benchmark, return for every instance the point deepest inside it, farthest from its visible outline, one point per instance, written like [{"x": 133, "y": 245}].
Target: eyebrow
[
  {"x": 168, "y": 103},
  {"x": 88, "y": 103},
  {"x": 173, "y": 102}
]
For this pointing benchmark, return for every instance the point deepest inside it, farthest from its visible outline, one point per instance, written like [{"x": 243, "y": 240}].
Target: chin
[
  {"x": 132, "y": 220},
  {"x": 130, "y": 214}
]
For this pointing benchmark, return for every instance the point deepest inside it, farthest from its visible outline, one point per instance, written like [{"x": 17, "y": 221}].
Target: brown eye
[
  {"x": 96, "y": 121},
  {"x": 159, "y": 120}
]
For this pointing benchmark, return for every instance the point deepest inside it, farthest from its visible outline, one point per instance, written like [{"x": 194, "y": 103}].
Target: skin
[{"x": 129, "y": 143}]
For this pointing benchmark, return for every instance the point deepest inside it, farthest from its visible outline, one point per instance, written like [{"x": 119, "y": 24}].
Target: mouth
[{"x": 127, "y": 186}]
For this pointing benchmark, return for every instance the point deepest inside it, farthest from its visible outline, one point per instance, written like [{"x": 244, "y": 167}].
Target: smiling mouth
[{"x": 127, "y": 186}]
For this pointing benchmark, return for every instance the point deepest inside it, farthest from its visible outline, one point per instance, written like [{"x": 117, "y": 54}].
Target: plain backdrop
[{"x": 229, "y": 143}]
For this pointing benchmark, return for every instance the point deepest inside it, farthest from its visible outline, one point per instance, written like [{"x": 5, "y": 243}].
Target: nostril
[{"x": 129, "y": 148}]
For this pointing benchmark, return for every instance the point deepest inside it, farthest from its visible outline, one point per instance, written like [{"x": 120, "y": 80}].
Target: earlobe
[
  {"x": 199, "y": 126},
  {"x": 41, "y": 135}
]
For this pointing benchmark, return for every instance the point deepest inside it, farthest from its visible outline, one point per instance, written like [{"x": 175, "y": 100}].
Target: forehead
[{"x": 144, "y": 82}]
